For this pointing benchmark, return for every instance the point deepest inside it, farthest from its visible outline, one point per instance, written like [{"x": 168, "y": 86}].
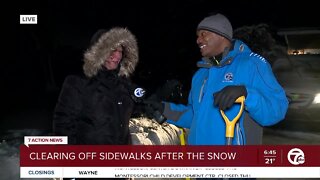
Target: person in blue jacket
[{"x": 228, "y": 70}]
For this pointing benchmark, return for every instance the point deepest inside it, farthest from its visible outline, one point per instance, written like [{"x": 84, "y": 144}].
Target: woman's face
[{"x": 112, "y": 62}]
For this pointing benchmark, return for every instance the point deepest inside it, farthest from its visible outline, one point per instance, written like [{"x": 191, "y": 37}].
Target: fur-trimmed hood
[{"x": 96, "y": 55}]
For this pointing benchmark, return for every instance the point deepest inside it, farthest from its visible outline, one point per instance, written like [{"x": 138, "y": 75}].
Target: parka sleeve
[
  {"x": 266, "y": 100},
  {"x": 67, "y": 109}
]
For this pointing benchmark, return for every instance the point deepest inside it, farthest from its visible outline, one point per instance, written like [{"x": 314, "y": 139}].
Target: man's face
[
  {"x": 112, "y": 62},
  {"x": 209, "y": 43}
]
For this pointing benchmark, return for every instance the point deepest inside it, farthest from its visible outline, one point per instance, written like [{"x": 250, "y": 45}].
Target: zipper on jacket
[
  {"x": 202, "y": 90},
  {"x": 240, "y": 139}
]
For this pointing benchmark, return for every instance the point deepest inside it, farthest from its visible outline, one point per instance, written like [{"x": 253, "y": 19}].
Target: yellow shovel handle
[
  {"x": 182, "y": 141},
  {"x": 230, "y": 124},
  {"x": 181, "y": 136}
]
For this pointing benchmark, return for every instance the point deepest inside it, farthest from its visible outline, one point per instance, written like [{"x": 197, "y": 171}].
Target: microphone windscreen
[{"x": 137, "y": 93}]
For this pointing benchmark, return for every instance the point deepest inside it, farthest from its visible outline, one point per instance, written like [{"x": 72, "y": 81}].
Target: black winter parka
[
  {"x": 96, "y": 108},
  {"x": 94, "y": 111}
]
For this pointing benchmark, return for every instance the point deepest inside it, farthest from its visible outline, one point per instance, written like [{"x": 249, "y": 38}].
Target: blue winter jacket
[{"x": 266, "y": 103}]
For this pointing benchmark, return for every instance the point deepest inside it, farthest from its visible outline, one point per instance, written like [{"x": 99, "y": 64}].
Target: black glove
[
  {"x": 154, "y": 109},
  {"x": 171, "y": 91},
  {"x": 227, "y": 96}
]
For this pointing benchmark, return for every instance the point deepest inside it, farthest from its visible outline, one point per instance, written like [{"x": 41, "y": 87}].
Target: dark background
[{"x": 45, "y": 53}]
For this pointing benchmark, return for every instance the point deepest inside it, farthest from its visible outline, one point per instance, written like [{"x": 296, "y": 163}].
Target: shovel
[{"x": 231, "y": 124}]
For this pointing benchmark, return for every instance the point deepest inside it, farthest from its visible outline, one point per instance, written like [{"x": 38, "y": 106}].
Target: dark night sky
[{"x": 165, "y": 30}]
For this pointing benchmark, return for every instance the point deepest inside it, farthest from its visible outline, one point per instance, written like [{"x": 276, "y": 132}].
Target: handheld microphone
[
  {"x": 138, "y": 96},
  {"x": 137, "y": 93}
]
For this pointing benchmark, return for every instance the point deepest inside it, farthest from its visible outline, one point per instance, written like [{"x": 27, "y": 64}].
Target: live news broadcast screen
[{"x": 65, "y": 116}]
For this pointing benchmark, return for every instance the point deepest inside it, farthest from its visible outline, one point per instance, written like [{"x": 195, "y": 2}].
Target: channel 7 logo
[{"x": 296, "y": 156}]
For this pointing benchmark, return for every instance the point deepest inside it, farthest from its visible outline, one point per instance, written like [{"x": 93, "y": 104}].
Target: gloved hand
[
  {"x": 154, "y": 109},
  {"x": 227, "y": 96},
  {"x": 171, "y": 91}
]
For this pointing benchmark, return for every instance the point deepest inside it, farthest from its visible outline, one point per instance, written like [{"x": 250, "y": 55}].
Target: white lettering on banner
[
  {"x": 125, "y": 156},
  {"x": 169, "y": 156},
  {"x": 221, "y": 156},
  {"x": 196, "y": 155},
  {"x": 52, "y": 156},
  {"x": 28, "y": 19},
  {"x": 87, "y": 155}
]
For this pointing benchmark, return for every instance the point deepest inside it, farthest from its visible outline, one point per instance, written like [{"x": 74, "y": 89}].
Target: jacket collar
[{"x": 227, "y": 57}]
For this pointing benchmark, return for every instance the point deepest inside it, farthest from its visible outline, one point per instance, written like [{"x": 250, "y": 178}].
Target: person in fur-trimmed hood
[{"x": 96, "y": 108}]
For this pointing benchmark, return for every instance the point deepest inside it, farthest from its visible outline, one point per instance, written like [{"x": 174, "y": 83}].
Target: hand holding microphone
[
  {"x": 138, "y": 94},
  {"x": 153, "y": 106}
]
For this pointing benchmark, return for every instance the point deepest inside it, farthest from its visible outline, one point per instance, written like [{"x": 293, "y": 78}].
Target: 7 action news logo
[{"x": 296, "y": 156}]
